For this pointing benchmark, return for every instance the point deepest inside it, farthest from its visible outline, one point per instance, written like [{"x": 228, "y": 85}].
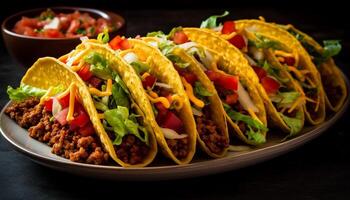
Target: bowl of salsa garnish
[{"x": 32, "y": 34}]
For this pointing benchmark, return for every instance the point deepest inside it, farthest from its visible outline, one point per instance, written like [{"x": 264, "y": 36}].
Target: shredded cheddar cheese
[
  {"x": 72, "y": 90},
  {"x": 162, "y": 100},
  {"x": 281, "y": 59},
  {"x": 101, "y": 115},
  {"x": 252, "y": 113},
  {"x": 178, "y": 101},
  {"x": 99, "y": 93},
  {"x": 153, "y": 94},
  {"x": 297, "y": 73},
  {"x": 296, "y": 103},
  {"x": 261, "y": 18},
  {"x": 46, "y": 96},
  {"x": 145, "y": 75},
  {"x": 229, "y": 36},
  {"x": 283, "y": 53},
  {"x": 189, "y": 92}
]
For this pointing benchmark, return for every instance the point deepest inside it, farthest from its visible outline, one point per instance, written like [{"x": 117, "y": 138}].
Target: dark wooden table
[{"x": 317, "y": 170}]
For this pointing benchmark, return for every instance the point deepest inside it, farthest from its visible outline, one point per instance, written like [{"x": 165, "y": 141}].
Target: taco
[
  {"x": 283, "y": 97},
  {"x": 207, "y": 109},
  {"x": 170, "y": 111},
  {"x": 48, "y": 93},
  {"x": 114, "y": 103},
  {"x": 331, "y": 77},
  {"x": 244, "y": 108}
]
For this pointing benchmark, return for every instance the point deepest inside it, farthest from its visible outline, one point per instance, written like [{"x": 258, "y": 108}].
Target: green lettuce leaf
[
  {"x": 284, "y": 98},
  {"x": 122, "y": 125},
  {"x": 100, "y": 106},
  {"x": 121, "y": 83},
  {"x": 159, "y": 34},
  {"x": 331, "y": 48},
  {"x": 250, "y": 122},
  {"x": 99, "y": 66},
  {"x": 211, "y": 21},
  {"x": 295, "y": 124},
  {"x": 200, "y": 90},
  {"x": 139, "y": 67},
  {"x": 120, "y": 97},
  {"x": 177, "y": 60},
  {"x": 25, "y": 91},
  {"x": 264, "y": 43},
  {"x": 104, "y": 36}
]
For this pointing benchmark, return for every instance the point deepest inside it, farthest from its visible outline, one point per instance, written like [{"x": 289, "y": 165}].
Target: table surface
[{"x": 317, "y": 170}]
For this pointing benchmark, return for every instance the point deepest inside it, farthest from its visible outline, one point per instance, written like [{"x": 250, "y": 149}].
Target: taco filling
[
  {"x": 232, "y": 92},
  {"x": 320, "y": 57},
  {"x": 57, "y": 118},
  {"x": 165, "y": 105},
  {"x": 116, "y": 109}
]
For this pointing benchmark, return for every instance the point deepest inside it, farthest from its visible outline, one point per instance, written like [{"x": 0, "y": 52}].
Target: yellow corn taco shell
[
  {"x": 238, "y": 64},
  {"x": 132, "y": 81},
  {"x": 332, "y": 80},
  {"x": 162, "y": 68},
  {"x": 315, "y": 111},
  {"x": 217, "y": 111}
]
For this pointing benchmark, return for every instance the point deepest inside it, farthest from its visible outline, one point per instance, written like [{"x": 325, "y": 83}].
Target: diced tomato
[
  {"x": 79, "y": 121},
  {"x": 290, "y": 61},
  {"x": 87, "y": 130},
  {"x": 191, "y": 78},
  {"x": 85, "y": 73},
  {"x": 231, "y": 99},
  {"x": 115, "y": 42},
  {"x": 149, "y": 81},
  {"x": 228, "y": 82},
  {"x": 270, "y": 85},
  {"x": 95, "y": 82},
  {"x": 52, "y": 33},
  {"x": 61, "y": 117},
  {"x": 64, "y": 101},
  {"x": 48, "y": 105},
  {"x": 125, "y": 44},
  {"x": 74, "y": 26},
  {"x": 164, "y": 92},
  {"x": 228, "y": 27},
  {"x": 212, "y": 75},
  {"x": 260, "y": 72},
  {"x": 180, "y": 37},
  {"x": 171, "y": 121},
  {"x": 238, "y": 41},
  {"x": 162, "y": 112}
]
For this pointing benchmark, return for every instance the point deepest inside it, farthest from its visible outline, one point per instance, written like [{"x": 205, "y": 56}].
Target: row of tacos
[{"x": 191, "y": 86}]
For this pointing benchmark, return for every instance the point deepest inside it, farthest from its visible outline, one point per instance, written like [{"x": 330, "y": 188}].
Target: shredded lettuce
[
  {"x": 121, "y": 83},
  {"x": 99, "y": 66},
  {"x": 295, "y": 124},
  {"x": 177, "y": 60},
  {"x": 159, "y": 34},
  {"x": 331, "y": 48},
  {"x": 200, "y": 90},
  {"x": 250, "y": 122},
  {"x": 264, "y": 43},
  {"x": 285, "y": 98},
  {"x": 211, "y": 21},
  {"x": 119, "y": 96},
  {"x": 273, "y": 71},
  {"x": 140, "y": 67},
  {"x": 119, "y": 120},
  {"x": 26, "y": 91},
  {"x": 104, "y": 36},
  {"x": 100, "y": 106}
]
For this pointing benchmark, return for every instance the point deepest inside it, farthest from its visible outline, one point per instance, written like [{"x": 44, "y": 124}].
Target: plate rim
[{"x": 215, "y": 163}]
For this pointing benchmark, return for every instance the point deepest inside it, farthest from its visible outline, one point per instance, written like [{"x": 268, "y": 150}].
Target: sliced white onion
[
  {"x": 245, "y": 100},
  {"x": 153, "y": 44},
  {"x": 258, "y": 54},
  {"x": 250, "y": 60},
  {"x": 171, "y": 134},
  {"x": 217, "y": 29},
  {"x": 56, "y": 106},
  {"x": 54, "y": 23},
  {"x": 163, "y": 85},
  {"x": 207, "y": 60},
  {"x": 188, "y": 45},
  {"x": 71, "y": 60},
  {"x": 131, "y": 57},
  {"x": 84, "y": 39},
  {"x": 196, "y": 112}
]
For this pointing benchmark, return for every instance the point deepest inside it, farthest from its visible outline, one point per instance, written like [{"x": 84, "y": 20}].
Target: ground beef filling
[
  {"x": 179, "y": 147},
  {"x": 210, "y": 134},
  {"x": 63, "y": 141},
  {"x": 132, "y": 150}
]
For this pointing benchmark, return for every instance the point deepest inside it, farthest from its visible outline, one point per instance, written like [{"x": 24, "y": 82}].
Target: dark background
[{"x": 318, "y": 170}]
